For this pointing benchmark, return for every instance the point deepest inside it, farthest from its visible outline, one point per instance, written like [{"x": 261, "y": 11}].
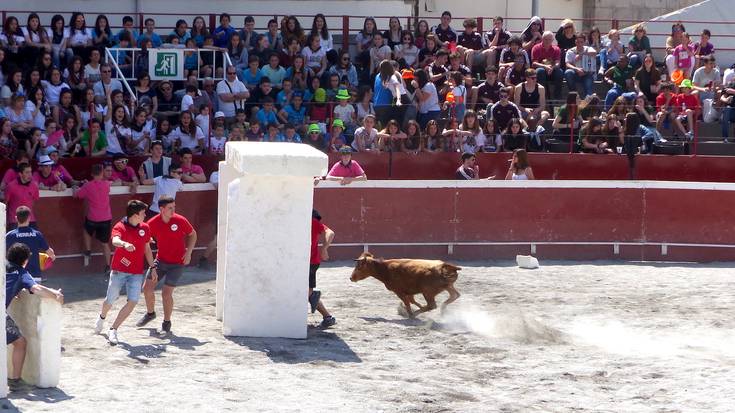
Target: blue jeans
[
  {"x": 119, "y": 280},
  {"x": 587, "y": 80},
  {"x": 424, "y": 118},
  {"x": 612, "y": 94},
  {"x": 556, "y": 77},
  {"x": 728, "y": 116}
]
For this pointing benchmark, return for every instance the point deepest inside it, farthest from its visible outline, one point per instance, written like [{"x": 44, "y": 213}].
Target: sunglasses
[{"x": 123, "y": 161}]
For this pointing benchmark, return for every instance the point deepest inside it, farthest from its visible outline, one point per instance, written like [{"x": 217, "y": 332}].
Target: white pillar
[
  {"x": 267, "y": 237},
  {"x": 3, "y": 346},
  {"x": 39, "y": 320}
]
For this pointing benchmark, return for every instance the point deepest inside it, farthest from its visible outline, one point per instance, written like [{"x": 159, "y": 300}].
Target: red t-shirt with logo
[
  {"x": 170, "y": 237},
  {"x": 316, "y": 229},
  {"x": 130, "y": 261}
]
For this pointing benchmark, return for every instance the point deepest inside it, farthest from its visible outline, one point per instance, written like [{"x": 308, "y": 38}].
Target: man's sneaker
[
  {"x": 165, "y": 327},
  {"x": 87, "y": 258},
  {"x": 329, "y": 321},
  {"x": 690, "y": 136},
  {"x": 18, "y": 385},
  {"x": 112, "y": 336},
  {"x": 147, "y": 318},
  {"x": 99, "y": 325},
  {"x": 314, "y": 299}
]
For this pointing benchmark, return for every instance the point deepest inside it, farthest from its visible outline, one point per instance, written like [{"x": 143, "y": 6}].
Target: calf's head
[{"x": 363, "y": 267}]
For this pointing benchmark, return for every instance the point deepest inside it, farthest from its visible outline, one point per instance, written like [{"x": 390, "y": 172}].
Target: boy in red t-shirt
[
  {"x": 175, "y": 238},
  {"x": 687, "y": 107},
  {"x": 132, "y": 239},
  {"x": 317, "y": 255},
  {"x": 668, "y": 109}
]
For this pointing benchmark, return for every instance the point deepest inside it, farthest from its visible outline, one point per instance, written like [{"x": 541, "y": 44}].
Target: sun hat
[
  {"x": 45, "y": 161},
  {"x": 338, "y": 122},
  {"x": 686, "y": 83},
  {"x": 343, "y": 94},
  {"x": 219, "y": 114},
  {"x": 314, "y": 128}
]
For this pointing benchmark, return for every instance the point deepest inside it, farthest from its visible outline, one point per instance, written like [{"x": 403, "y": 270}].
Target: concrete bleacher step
[{"x": 715, "y": 148}]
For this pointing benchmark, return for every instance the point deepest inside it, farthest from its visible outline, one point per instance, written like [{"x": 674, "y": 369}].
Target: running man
[
  {"x": 175, "y": 238},
  {"x": 317, "y": 255},
  {"x": 98, "y": 219},
  {"x": 131, "y": 238},
  {"x": 16, "y": 279}
]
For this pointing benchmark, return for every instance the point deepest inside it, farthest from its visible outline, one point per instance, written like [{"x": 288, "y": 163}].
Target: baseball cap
[
  {"x": 45, "y": 161},
  {"x": 345, "y": 150},
  {"x": 219, "y": 114}
]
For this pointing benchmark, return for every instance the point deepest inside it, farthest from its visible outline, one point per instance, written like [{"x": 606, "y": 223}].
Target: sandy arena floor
[{"x": 599, "y": 337}]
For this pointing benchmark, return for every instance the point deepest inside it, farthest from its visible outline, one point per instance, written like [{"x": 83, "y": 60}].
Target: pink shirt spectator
[
  {"x": 10, "y": 176},
  {"x": 192, "y": 170},
  {"x": 61, "y": 173},
  {"x": 97, "y": 194},
  {"x": 352, "y": 170},
  {"x": 126, "y": 175},
  {"x": 538, "y": 53},
  {"x": 18, "y": 194},
  {"x": 48, "y": 181},
  {"x": 683, "y": 60}
]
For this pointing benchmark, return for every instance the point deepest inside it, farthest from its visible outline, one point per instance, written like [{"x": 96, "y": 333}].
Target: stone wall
[{"x": 628, "y": 12}]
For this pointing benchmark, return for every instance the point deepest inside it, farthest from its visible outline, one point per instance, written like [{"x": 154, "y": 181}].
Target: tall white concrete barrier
[
  {"x": 227, "y": 174},
  {"x": 3, "y": 345},
  {"x": 39, "y": 320},
  {"x": 266, "y": 198}
]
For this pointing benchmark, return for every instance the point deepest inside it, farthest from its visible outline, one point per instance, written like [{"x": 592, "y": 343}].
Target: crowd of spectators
[{"x": 429, "y": 89}]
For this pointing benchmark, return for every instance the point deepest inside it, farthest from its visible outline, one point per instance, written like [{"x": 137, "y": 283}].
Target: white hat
[
  {"x": 219, "y": 115},
  {"x": 44, "y": 160}
]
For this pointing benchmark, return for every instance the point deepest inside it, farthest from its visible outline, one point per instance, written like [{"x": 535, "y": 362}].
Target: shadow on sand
[
  {"x": 52, "y": 395},
  {"x": 320, "y": 346}
]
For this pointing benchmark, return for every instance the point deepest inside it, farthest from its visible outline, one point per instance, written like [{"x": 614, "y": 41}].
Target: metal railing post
[
  {"x": 480, "y": 21},
  {"x": 113, "y": 61},
  {"x": 345, "y": 33}
]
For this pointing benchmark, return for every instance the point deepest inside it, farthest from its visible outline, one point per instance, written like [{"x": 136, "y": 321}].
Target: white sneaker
[
  {"x": 112, "y": 337},
  {"x": 99, "y": 325}
]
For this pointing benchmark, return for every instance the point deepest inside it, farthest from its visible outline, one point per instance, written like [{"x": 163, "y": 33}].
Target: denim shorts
[{"x": 131, "y": 282}]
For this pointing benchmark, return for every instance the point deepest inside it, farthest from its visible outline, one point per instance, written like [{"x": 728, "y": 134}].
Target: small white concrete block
[
  {"x": 39, "y": 320},
  {"x": 275, "y": 158},
  {"x": 527, "y": 262}
]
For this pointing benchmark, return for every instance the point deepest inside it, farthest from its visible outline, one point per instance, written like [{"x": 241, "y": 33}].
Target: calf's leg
[
  {"x": 453, "y": 295},
  {"x": 430, "y": 298},
  {"x": 407, "y": 302}
]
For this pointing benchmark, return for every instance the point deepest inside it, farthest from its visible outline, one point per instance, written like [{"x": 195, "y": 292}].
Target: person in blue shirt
[
  {"x": 294, "y": 112},
  {"x": 224, "y": 31},
  {"x": 267, "y": 115},
  {"x": 128, "y": 24},
  {"x": 150, "y": 34},
  {"x": 290, "y": 135},
  {"x": 30, "y": 237},
  {"x": 18, "y": 278}
]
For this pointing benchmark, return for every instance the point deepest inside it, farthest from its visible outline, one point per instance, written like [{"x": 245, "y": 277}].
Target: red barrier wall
[{"x": 446, "y": 213}]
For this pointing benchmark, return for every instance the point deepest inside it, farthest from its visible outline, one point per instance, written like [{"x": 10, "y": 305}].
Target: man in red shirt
[
  {"x": 21, "y": 192},
  {"x": 175, "y": 238},
  {"x": 98, "y": 219},
  {"x": 546, "y": 59},
  {"x": 317, "y": 255},
  {"x": 131, "y": 238}
]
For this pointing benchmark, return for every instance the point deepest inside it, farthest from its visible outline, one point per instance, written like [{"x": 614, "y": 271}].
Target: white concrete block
[
  {"x": 3, "y": 346},
  {"x": 267, "y": 237},
  {"x": 39, "y": 320},
  {"x": 527, "y": 262},
  {"x": 226, "y": 175}
]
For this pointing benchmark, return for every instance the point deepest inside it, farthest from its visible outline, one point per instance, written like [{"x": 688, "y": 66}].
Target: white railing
[{"x": 111, "y": 57}]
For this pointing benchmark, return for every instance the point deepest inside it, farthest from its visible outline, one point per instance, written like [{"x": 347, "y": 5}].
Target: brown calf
[{"x": 407, "y": 277}]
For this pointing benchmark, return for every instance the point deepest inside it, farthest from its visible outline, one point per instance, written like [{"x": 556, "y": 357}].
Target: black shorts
[
  {"x": 12, "y": 332},
  {"x": 168, "y": 273},
  {"x": 312, "y": 275},
  {"x": 100, "y": 231}
]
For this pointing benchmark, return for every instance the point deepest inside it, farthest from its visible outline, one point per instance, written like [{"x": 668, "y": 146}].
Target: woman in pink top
[{"x": 346, "y": 170}]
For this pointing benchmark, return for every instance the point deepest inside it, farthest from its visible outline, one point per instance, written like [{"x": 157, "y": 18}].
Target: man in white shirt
[
  {"x": 707, "y": 79},
  {"x": 231, "y": 95},
  {"x": 106, "y": 84},
  {"x": 581, "y": 66}
]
